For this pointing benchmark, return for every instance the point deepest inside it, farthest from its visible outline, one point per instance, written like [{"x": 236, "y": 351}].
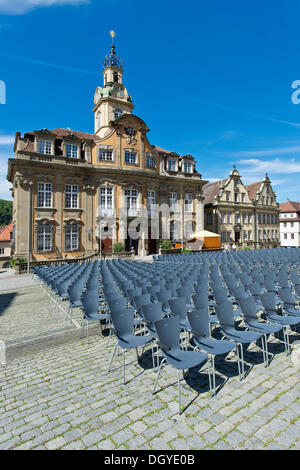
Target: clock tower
[{"x": 112, "y": 100}]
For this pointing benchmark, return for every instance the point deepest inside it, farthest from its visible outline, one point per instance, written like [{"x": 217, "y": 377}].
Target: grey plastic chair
[
  {"x": 199, "y": 321},
  {"x": 168, "y": 331},
  {"x": 123, "y": 325},
  {"x": 240, "y": 337}
]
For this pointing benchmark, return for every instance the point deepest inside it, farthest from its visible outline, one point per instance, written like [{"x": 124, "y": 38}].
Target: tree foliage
[{"x": 5, "y": 212}]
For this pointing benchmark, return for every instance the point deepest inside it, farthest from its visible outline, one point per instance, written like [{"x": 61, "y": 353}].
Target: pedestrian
[{"x": 234, "y": 247}]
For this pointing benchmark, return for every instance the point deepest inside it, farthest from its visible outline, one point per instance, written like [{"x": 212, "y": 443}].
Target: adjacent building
[
  {"x": 76, "y": 193},
  {"x": 290, "y": 223},
  {"x": 6, "y": 235},
  {"x": 246, "y": 215}
]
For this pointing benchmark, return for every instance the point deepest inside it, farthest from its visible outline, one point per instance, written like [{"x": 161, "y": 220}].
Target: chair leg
[
  {"x": 158, "y": 374},
  {"x": 179, "y": 392},
  {"x": 112, "y": 357}
]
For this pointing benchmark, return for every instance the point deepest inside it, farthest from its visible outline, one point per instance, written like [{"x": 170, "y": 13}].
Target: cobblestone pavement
[{"x": 60, "y": 396}]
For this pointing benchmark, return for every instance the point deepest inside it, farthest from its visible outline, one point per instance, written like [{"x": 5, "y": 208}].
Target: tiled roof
[
  {"x": 59, "y": 132},
  {"x": 2, "y": 227},
  {"x": 253, "y": 188},
  {"x": 161, "y": 150},
  {"x": 5, "y": 234},
  {"x": 290, "y": 206},
  {"x": 210, "y": 190}
]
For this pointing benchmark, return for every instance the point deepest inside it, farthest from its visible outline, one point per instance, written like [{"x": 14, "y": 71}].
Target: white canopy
[{"x": 204, "y": 234}]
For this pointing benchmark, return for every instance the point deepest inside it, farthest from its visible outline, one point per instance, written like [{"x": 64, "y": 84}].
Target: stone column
[{"x": 199, "y": 213}]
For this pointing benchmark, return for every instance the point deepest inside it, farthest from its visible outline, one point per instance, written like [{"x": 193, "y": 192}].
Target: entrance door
[{"x": 237, "y": 236}]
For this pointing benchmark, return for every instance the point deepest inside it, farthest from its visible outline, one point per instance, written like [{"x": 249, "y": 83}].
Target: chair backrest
[
  {"x": 248, "y": 307},
  {"x": 152, "y": 313},
  {"x": 168, "y": 331},
  {"x": 123, "y": 322},
  {"x": 90, "y": 303},
  {"x": 225, "y": 316},
  {"x": 238, "y": 292},
  {"x": 117, "y": 304},
  {"x": 220, "y": 296},
  {"x": 141, "y": 300},
  {"x": 178, "y": 307},
  {"x": 201, "y": 301},
  {"x": 286, "y": 295},
  {"x": 268, "y": 300},
  {"x": 184, "y": 292},
  {"x": 199, "y": 321}
]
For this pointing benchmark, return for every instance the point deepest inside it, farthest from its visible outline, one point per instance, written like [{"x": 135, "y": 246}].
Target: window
[
  {"x": 249, "y": 218},
  {"x": 228, "y": 217},
  {"x": 235, "y": 181},
  {"x": 116, "y": 77},
  {"x": 243, "y": 197},
  {"x": 44, "y": 196},
  {"x": 173, "y": 201},
  {"x": 72, "y": 237},
  {"x": 236, "y": 197},
  {"x": 259, "y": 218},
  {"x": 151, "y": 201},
  {"x": 236, "y": 218},
  {"x": 285, "y": 236},
  {"x": 259, "y": 234},
  {"x": 118, "y": 112},
  {"x": 1, "y": 251},
  {"x": 45, "y": 146},
  {"x": 292, "y": 224},
  {"x": 292, "y": 236},
  {"x": 188, "y": 202},
  {"x": 272, "y": 234},
  {"x": 223, "y": 217},
  {"x": 172, "y": 165},
  {"x": 263, "y": 199},
  {"x": 72, "y": 192},
  {"x": 285, "y": 215},
  {"x": 249, "y": 234},
  {"x": 227, "y": 195},
  {"x": 272, "y": 218},
  {"x": 244, "y": 218},
  {"x": 106, "y": 200},
  {"x": 272, "y": 201},
  {"x": 223, "y": 237},
  {"x": 187, "y": 167},
  {"x": 72, "y": 150},
  {"x": 130, "y": 157},
  {"x": 44, "y": 237},
  {"x": 150, "y": 161},
  {"x": 131, "y": 196},
  {"x": 263, "y": 219},
  {"x": 105, "y": 155},
  {"x": 268, "y": 218},
  {"x": 284, "y": 224},
  {"x": 229, "y": 237},
  {"x": 267, "y": 188},
  {"x": 209, "y": 218}
]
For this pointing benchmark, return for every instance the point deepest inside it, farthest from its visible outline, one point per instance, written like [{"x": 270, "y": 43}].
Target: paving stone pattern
[{"x": 61, "y": 397}]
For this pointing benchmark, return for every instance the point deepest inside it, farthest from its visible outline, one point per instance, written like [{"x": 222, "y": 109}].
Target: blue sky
[{"x": 211, "y": 78}]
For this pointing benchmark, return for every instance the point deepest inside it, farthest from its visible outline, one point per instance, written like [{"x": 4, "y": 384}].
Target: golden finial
[{"x": 113, "y": 34}]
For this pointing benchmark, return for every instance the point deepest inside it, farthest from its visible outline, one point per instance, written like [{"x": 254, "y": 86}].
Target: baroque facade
[
  {"x": 245, "y": 215},
  {"x": 77, "y": 193}
]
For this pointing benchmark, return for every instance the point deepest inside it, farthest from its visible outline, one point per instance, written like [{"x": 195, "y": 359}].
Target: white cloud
[
  {"x": 276, "y": 166},
  {"x": 288, "y": 150},
  {"x": 19, "y": 7},
  {"x": 7, "y": 139}
]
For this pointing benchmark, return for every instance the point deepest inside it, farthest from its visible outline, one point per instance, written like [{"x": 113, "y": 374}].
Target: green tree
[{"x": 5, "y": 212}]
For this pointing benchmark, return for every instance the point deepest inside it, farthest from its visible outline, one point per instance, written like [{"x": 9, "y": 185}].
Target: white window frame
[
  {"x": 131, "y": 198},
  {"x": 107, "y": 154},
  {"x": 72, "y": 237},
  {"x": 72, "y": 150},
  {"x": 72, "y": 196},
  {"x": 45, "y": 146},
  {"x": 173, "y": 201},
  {"x": 151, "y": 201},
  {"x": 188, "y": 202},
  {"x": 44, "y": 194},
  {"x": 44, "y": 237},
  {"x": 172, "y": 165},
  {"x": 106, "y": 200},
  {"x": 150, "y": 161},
  {"x": 128, "y": 157},
  {"x": 189, "y": 166}
]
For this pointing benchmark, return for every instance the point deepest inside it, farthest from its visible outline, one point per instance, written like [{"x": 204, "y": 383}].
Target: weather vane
[{"x": 113, "y": 34}]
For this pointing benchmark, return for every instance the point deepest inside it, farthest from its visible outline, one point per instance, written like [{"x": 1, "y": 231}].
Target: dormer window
[
  {"x": 72, "y": 151},
  {"x": 187, "y": 167},
  {"x": 45, "y": 147},
  {"x": 150, "y": 161},
  {"x": 172, "y": 166},
  {"x": 118, "y": 112}
]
